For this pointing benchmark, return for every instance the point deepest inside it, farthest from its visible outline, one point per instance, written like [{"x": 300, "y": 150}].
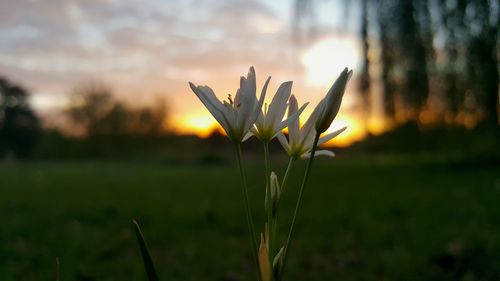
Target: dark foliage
[{"x": 19, "y": 126}]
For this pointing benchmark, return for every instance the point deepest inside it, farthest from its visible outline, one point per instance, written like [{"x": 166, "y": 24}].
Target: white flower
[
  {"x": 270, "y": 122},
  {"x": 331, "y": 103},
  {"x": 235, "y": 116},
  {"x": 301, "y": 140}
]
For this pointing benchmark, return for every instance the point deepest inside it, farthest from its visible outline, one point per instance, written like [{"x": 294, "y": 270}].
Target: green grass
[{"x": 361, "y": 220}]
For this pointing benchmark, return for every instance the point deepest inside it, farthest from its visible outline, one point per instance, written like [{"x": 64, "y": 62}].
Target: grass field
[{"x": 365, "y": 219}]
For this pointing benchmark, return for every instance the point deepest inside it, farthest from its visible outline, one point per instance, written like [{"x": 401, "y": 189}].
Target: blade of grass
[{"x": 148, "y": 262}]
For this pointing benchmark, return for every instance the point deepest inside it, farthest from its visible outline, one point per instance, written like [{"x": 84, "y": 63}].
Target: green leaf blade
[{"x": 146, "y": 257}]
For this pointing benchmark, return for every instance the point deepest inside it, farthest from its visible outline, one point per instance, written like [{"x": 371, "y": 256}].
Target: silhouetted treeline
[
  {"x": 103, "y": 126},
  {"x": 98, "y": 125},
  {"x": 94, "y": 111},
  {"x": 437, "y": 60}
]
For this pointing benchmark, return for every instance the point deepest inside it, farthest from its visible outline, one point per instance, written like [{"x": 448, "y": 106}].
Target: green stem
[
  {"x": 297, "y": 206},
  {"x": 283, "y": 185},
  {"x": 248, "y": 210},
  {"x": 270, "y": 226},
  {"x": 287, "y": 173}
]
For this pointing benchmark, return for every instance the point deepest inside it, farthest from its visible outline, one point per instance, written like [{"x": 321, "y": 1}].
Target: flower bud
[
  {"x": 275, "y": 193},
  {"x": 331, "y": 103},
  {"x": 278, "y": 261}
]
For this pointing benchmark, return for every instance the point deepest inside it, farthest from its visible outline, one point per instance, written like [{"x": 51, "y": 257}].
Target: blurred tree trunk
[
  {"x": 364, "y": 84},
  {"x": 482, "y": 60},
  {"x": 454, "y": 78},
  {"x": 386, "y": 61},
  {"x": 413, "y": 54},
  {"x": 427, "y": 37},
  {"x": 304, "y": 21}
]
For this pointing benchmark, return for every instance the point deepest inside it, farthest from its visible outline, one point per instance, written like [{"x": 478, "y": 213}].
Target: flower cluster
[{"x": 244, "y": 116}]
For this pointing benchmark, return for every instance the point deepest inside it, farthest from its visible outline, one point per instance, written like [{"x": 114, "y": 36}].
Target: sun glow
[{"x": 327, "y": 58}]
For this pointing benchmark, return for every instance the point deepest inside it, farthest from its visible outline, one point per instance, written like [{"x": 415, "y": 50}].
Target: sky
[{"x": 146, "y": 49}]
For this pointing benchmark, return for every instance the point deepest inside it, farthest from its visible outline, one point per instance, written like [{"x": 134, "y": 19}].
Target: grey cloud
[{"x": 130, "y": 44}]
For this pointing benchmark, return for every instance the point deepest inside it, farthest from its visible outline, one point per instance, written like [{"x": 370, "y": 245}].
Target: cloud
[
  {"x": 144, "y": 48},
  {"x": 96, "y": 36}
]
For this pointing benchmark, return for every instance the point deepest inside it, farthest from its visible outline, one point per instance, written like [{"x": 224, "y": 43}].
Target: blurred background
[{"x": 98, "y": 127}]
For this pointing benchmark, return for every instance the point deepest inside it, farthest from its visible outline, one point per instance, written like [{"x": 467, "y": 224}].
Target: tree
[
  {"x": 454, "y": 82},
  {"x": 482, "y": 59},
  {"x": 95, "y": 112},
  {"x": 364, "y": 84},
  {"x": 19, "y": 126},
  {"x": 411, "y": 57},
  {"x": 89, "y": 105},
  {"x": 387, "y": 59}
]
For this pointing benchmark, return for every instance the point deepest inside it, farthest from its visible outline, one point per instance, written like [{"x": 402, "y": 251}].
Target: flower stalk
[
  {"x": 297, "y": 206},
  {"x": 277, "y": 214},
  {"x": 268, "y": 201},
  {"x": 248, "y": 210}
]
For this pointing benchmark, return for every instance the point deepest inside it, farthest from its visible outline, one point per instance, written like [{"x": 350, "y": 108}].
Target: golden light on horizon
[
  {"x": 377, "y": 125},
  {"x": 203, "y": 125},
  {"x": 354, "y": 131},
  {"x": 200, "y": 125}
]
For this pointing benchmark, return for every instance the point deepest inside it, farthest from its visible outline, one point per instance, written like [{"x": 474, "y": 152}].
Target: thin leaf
[{"x": 148, "y": 262}]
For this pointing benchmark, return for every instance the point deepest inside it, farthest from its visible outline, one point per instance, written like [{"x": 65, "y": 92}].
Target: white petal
[
  {"x": 251, "y": 84},
  {"x": 230, "y": 114},
  {"x": 260, "y": 120},
  {"x": 238, "y": 97},
  {"x": 324, "y": 153},
  {"x": 207, "y": 97},
  {"x": 248, "y": 135},
  {"x": 293, "y": 126},
  {"x": 282, "y": 139},
  {"x": 294, "y": 118},
  {"x": 330, "y": 136},
  {"x": 258, "y": 107},
  {"x": 214, "y": 106},
  {"x": 333, "y": 101},
  {"x": 246, "y": 116},
  {"x": 318, "y": 153},
  {"x": 277, "y": 108},
  {"x": 248, "y": 88},
  {"x": 308, "y": 131}
]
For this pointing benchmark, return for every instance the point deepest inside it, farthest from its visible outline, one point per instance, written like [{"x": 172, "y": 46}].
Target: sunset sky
[{"x": 145, "y": 49}]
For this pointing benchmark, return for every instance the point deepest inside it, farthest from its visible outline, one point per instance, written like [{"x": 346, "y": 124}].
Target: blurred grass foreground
[
  {"x": 382, "y": 218},
  {"x": 415, "y": 203}
]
